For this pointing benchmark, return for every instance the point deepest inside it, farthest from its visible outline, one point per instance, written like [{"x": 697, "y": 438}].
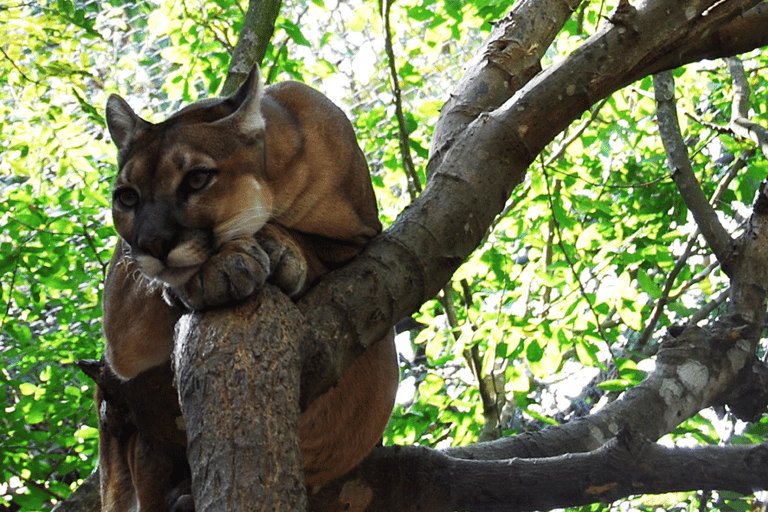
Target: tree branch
[
  {"x": 412, "y": 261},
  {"x": 508, "y": 59},
  {"x": 682, "y": 172},
  {"x": 246, "y": 455},
  {"x": 740, "y": 123},
  {"x": 663, "y": 300},
  {"x": 430, "y": 481},
  {"x": 749, "y": 30},
  {"x": 258, "y": 26}
]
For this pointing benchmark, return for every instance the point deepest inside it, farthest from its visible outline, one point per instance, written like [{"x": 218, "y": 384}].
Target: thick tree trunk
[{"x": 238, "y": 374}]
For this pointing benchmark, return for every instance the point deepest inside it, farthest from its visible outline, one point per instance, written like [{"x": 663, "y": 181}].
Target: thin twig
[
  {"x": 486, "y": 385},
  {"x": 14, "y": 274},
  {"x": 92, "y": 245},
  {"x": 13, "y": 63},
  {"x": 36, "y": 485},
  {"x": 723, "y": 130},
  {"x": 572, "y": 266},
  {"x": 708, "y": 308},
  {"x": 664, "y": 299},
  {"x": 576, "y": 133},
  {"x": 414, "y": 184}
]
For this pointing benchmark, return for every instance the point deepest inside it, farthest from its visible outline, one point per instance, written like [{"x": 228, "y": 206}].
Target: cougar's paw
[
  {"x": 237, "y": 270},
  {"x": 288, "y": 267},
  {"x": 180, "y": 498}
]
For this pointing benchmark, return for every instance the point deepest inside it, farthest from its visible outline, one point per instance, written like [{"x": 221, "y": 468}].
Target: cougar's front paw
[
  {"x": 288, "y": 267},
  {"x": 180, "y": 498},
  {"x": 237, "y": 270}
]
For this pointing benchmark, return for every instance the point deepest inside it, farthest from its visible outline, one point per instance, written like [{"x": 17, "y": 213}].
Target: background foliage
[{"x": 559, "y": 310}]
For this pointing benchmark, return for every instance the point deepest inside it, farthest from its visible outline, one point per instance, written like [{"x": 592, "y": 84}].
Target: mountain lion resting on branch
[{"x": 266, "y": 185}]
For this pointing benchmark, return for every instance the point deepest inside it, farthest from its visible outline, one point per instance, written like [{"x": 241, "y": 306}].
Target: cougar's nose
[
  {"x": 156, "y": 246},
  {"x": 157, "y": 233}
]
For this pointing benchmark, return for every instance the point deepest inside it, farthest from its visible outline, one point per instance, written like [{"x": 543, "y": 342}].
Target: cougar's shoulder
[{"x": 315, "y": 165}]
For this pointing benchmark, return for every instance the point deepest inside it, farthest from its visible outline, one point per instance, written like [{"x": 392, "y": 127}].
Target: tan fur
[
  {"x": 362, "y": 400},
  {"x": 299, "y": 170},
  {"x": 269, "y": 184},
  {"x": 144, "y": 337}
]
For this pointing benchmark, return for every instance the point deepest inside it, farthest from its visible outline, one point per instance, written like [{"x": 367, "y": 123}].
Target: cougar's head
[{"x": 190, "y": 183}]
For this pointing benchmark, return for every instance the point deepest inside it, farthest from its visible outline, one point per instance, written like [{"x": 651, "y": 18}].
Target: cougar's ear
[
  {"x": 122, "y": 122},
  {"x": 247, "y": 118}
]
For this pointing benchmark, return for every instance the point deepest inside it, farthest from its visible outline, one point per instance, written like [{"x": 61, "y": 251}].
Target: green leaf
[
  {"x": 647, "y": 284},
  {"x": 295, "y": 33},
  {"x": 586, "y": 352},
  {"x": 27, "y": 389},
  {"x": 534, "y": 351},
  {"x": 431, "y": 386},
  {"x": 614, "y": 385}
]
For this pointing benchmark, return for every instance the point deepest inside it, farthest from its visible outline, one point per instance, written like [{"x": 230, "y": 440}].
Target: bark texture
[
  {"x": 238, "y": 373},
  {"x": 84, "y": 499},
  {"x": 429, "y": 481},
  {"x": 252, "y": 44}
]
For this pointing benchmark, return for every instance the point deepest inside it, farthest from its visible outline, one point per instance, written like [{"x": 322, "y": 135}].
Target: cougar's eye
[
  {"x": 198, "y": 179},
  {"x": 126, "y": 197}
]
